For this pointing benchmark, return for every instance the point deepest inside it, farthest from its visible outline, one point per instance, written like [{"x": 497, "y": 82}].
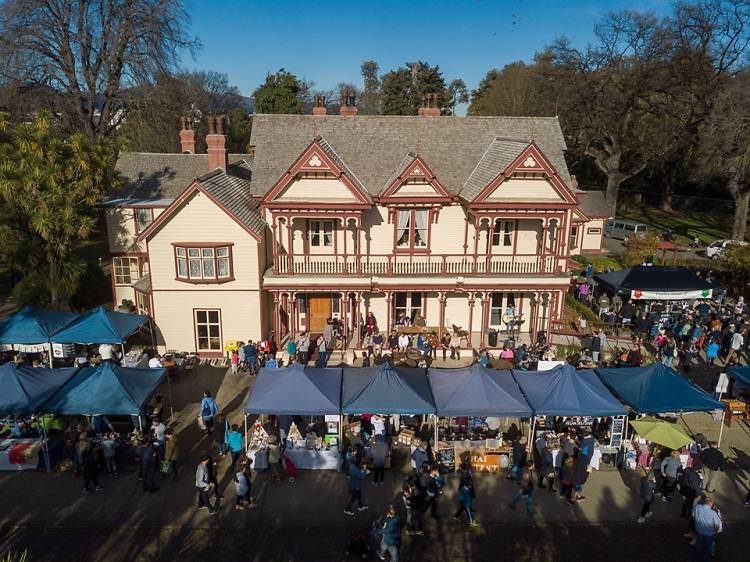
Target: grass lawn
[{"x": 707, "y": 226}]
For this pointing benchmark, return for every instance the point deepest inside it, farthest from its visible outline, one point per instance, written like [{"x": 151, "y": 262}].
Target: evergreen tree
[{"x": 282, "y": 92}]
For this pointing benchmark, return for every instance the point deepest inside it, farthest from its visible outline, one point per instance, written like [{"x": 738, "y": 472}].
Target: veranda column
[
  {"x": 441, "y": 301},
  {"x": 471, "y": 317},
  {"x": 345, "y": 317},
  {"x": 293, "y": 314},
  {"x": 543, "y": 246},
  {"x": 358, "y": 247},
  {"x": 276, "y": 318},
  {"x": 358, "y": 317},
  {"x": 290, "y": 249},
  {"x": 274, "y": 227},
  {"x": 388, "y": 302},
  {"x": 485, "y": 315}
]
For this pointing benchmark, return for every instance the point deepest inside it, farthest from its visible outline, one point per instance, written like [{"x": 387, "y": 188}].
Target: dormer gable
[
  {"x": 318, "y": 174},
  {"x": 414, "y": 181},
  {"x": 519, "y": 172}
]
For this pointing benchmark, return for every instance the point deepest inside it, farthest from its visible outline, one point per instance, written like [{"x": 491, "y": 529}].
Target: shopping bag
[
  {"x": 165, "y": 466},
  {"x": 201, "y": 423}
]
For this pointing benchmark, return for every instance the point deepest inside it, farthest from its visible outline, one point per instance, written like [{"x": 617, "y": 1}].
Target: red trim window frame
[
  {"x": 503, "y": 233},
  {"x": 208, "y": 318},
  {"x": 117, "y": 264},
  {"x": 200, "y": 263},
  {"x": 407, "y": 227},
  {"x": 139, "y": 229}
]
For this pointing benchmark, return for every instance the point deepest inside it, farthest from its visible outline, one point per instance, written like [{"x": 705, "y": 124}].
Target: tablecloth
[
  {"x": 307, "y": 459},
  {"x": 19, "y": 454}
]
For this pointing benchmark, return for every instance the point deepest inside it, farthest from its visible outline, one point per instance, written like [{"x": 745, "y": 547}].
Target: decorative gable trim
[
  {"x": 417, "y": 168},
  {"x": 174, "y": 207},
  {"x": 315, "y": 159},
  {"x": 531, "y": 159}
]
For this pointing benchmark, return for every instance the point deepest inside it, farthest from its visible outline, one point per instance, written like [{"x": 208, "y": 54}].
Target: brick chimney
[
  {"x": 348, "y": 103},
  {"x": 319, "y": 105},
  {"x": 187, "y": 136},
  {"x": 216, "y": 143},
  {"x": 430, "y": 105}
]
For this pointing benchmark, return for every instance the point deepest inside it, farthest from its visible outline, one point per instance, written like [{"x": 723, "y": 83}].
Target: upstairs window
[
  {"x": 125, "y": 270},
  {"x": 321, "y": 233},
  {"x": 502, "y": 233},
  {"x": 412, "y": 229},
  {"x": 203, "y": 263},
  {"x": 143, "y": 218}
]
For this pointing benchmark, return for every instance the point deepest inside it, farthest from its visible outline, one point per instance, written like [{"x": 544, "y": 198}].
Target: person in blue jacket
[
  {"x": 391, "y": 533},
  {"x": 208, "y": 409},
  {"x": 354, "y": 480}
]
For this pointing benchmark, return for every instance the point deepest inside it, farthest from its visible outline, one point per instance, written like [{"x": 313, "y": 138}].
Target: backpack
[{"x": 206, "y": 411}]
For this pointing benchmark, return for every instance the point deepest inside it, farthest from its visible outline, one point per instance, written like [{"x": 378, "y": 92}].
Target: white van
[
  {"x": 717, "y": 249},
  {"x": 625, "y": 230}
]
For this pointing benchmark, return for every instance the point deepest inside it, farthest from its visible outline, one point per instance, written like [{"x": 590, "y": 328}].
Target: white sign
[
  {"x": 332, "y": 418},
  {"x": 547, "y": 365},
  {"x": 638, "y": 294},
  {"x": 723, "y": 385}
]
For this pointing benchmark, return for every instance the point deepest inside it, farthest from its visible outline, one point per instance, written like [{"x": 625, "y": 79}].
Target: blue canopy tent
[
  {"x": 33, "y": 326},
  {"x": 385, "y": 389},
  {"x": 296, "y": 390},
  {"x": 564, "y": 391},
  {"x": 100, "y": 326},
  {"x": 656, "y": 389},
  {"x": 740, "y": 372},
  {"x": 23, "y": 390},
  {"x": 106, "y": 389},
  {"x": 477, "y": 391}
]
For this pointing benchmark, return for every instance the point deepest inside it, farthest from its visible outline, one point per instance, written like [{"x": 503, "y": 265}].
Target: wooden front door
[{"x": 319, "y": 310}]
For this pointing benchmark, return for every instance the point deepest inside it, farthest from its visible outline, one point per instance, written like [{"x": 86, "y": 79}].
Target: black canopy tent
[{"x": 655, "y": 282}]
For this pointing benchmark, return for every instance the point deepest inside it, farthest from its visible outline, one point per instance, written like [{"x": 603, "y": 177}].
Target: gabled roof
[
  {"x": 156, "y": 175},
  {"x": 373, "y": 146},
  {"x": 496, "y": 159},
  {"x": 412, "y": 165},
  {"x": 319, "y": 156},
  {"x": 230, "y": 190}
]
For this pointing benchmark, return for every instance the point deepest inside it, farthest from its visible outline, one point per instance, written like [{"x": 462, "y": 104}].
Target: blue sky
[{"x": 326, "y": 41}]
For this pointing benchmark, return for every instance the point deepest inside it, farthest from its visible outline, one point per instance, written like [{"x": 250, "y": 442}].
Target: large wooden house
[{"x": 341, "y": 215}]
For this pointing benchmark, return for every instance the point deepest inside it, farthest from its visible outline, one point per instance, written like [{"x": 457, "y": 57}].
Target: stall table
[
  {"x": 596, "y": 458},
  {"x": 259, "y": 456},
  {"x": 308, "y": 459},
  {"x": 19, "y": 454}
]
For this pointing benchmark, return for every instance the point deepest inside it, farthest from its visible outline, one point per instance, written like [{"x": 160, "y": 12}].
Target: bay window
[
  {"x": 201, "y": 262},
  {"x": 412, "y": 229}
]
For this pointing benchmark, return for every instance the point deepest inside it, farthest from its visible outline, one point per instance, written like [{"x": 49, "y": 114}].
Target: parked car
[
  {"x": 625, "y": 230},
  {"x": 717, "y": 249}
]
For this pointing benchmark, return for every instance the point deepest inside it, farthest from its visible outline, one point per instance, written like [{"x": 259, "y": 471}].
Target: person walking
[
  {"x": 149, "y": 456},
  {"x": 647, "y": 493},
  {"x": 242, "y": 482},
  {"x": 274, "y": 459},
  {"x": 378, "y": 453},
  {"x": 670, "y": 468},
  {"x": 390, "y": 532},
  {"x": 354, "y": 481},
  {"x": 713, "y": 462},
  {"x": 420, "y": 456},
  {"x": 525, "y": 494},
  {"x": 566, "y": 480},
  {"x": 172, "y": 453},
  {"x": 690, "y": 488},
  {"x": 236, "y": 444},
  {"x": 466, "y": 495},
  {"x": 208, "y": 409},
  {"x": 428, "y": 486},
  {"x": 546, "y": 468},
  {"x": 322, "y": 352},
  {"x": 202, "y": 482},
  {"x": 90, "y": 464},
  {"x": 735, "y": 346},
  {"x": 303, "y": 348},
  {"x": 518, "y": 458},
  {"x": 414, "y": 503},
  {"x": 708, "y": 524}
]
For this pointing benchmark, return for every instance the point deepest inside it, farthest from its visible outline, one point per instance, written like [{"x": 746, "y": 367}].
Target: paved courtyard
[{"x": 46, "y": 514}]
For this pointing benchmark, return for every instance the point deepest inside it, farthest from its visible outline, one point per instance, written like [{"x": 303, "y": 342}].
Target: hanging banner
[{"x": 670, "y": 295}]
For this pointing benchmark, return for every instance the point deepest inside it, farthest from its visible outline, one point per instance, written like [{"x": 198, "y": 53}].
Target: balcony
[{"x": 419, "y": 264}]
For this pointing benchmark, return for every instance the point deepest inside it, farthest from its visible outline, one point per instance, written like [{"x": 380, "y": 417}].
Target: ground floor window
[
  {"x": 407, "y": 304},
  {"x": 573, "y": 237},
  {"x": 142, "y": 303},
  {"x": 208, "y": 330}
]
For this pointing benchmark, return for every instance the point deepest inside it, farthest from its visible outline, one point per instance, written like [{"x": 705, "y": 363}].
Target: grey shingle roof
[
  {"x": 232, "y": 190},
  {"x": 374, "y": 146},
  {"x": 593, "y": 204},
  {"x": 500, "y": 153},
  {"x": 161, "y": 175},
  {"x": 400, "y": 167},
  {"x": 333, "y": 155}
]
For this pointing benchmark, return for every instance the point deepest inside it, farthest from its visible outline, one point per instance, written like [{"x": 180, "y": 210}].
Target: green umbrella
[{"x": 662, "y": 432}]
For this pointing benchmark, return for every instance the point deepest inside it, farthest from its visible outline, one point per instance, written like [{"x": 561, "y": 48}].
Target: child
[
  {"x": 365, "y": 359},
  {"x": 235, "y": 442},
  {"x": 242, "y": 483},
  {"x": 108, "y": 450},
  {"x": 465, "y": 500},
  {"x": 235, "y": 360}
]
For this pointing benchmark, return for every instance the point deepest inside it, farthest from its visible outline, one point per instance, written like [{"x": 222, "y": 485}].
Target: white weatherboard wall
[
  {"x": 317, "y": 189},
  {"x": 524, "y": 190},
  {"x": 199, "y": 220}
]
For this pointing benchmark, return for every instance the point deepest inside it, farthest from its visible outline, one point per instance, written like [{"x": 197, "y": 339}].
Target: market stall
[
  {"x": 476, "y": 406},
  {"x": 297, "y": 391},
  {"x": 31, "y": 329},
  {"x": 737, "y": 401},
  {"x": 654, "y": 282},
  {"x": 23, "y": 390},
  {"x": 564, "y": 399}
]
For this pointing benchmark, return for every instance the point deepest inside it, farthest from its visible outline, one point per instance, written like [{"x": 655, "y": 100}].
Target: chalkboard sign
[
  {"x": 446, "y": 460},
  {"x": 618, "y": 428}
]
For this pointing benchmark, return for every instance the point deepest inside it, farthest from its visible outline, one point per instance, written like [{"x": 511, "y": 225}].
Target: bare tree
[{"x": 92, "y": 50}]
